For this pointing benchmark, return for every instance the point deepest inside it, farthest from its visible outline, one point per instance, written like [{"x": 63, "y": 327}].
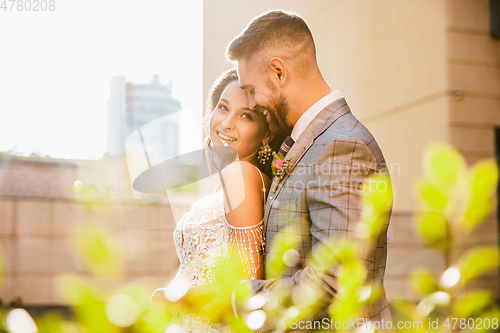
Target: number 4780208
[
  {"x": 471, "y": 323},
  {"x": 28, "y": 5}
]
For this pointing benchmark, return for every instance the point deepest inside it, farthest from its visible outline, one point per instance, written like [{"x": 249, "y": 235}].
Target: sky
[{"x": 56, "y": 67}]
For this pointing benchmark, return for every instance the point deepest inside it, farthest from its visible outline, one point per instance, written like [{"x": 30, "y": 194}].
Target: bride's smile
[{"x": 233, "y": 124}]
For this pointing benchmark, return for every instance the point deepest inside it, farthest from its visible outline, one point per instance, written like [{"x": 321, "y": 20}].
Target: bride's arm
[{"x": 244, "y": 207}]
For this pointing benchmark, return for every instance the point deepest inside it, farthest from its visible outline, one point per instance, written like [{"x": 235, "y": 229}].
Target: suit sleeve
[{"x": 334, "y": 202}]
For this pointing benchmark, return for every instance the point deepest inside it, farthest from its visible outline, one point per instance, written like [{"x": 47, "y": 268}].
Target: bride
[{"x": 210, "y": 231}]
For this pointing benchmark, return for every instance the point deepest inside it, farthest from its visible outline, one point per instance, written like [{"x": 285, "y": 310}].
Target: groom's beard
[{"x": 278, "y": 110}]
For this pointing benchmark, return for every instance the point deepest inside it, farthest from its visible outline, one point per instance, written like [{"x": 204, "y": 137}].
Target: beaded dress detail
[{"x": 203, "y": 238}]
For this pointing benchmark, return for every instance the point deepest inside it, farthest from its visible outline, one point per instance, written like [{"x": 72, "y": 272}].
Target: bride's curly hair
[{"x": 213, "y": 99}]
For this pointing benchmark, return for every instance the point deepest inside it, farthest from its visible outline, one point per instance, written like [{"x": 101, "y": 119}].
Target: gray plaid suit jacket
[{"x": 337, "y": 142}]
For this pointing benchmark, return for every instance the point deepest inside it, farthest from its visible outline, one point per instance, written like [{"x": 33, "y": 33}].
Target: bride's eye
[
  {"x": 223, "y": 107},
  {"x": 247, "y": 115}
]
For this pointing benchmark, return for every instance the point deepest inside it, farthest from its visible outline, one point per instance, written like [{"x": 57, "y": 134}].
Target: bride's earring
[{"x": 265, "y": 152}]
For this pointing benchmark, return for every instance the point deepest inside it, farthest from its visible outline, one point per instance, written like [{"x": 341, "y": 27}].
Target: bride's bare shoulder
[
  {"x": 244, "y": 192},
  {"x": 242, "y": 170}
]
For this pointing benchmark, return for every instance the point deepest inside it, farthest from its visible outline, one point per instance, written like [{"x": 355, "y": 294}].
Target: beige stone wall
[
  {"x": 36, "y": 178},
  {"x": 473, "y": 63},
  {"x": 35, "y": 236},
  {"x": 36, "y": 228}
]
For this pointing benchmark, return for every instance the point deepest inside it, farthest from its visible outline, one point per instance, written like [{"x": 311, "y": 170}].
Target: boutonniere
[{"x": 281, "y": 167}]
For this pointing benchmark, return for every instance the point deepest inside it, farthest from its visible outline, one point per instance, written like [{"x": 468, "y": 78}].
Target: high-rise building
[
  {"x": 117, "y": 129},
  {"x": 146, "y": 103},
  {"x": 132, "y": 106}
]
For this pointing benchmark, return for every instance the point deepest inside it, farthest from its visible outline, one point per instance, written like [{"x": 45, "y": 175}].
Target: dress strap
[{"x": 263, "y": 185}]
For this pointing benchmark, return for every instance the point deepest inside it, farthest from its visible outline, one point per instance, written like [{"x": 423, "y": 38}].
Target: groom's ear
[{"x": 278, "y": 71}]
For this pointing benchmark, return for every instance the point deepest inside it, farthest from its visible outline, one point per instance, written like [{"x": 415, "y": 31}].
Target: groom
[{"x": 331, "y": 150}]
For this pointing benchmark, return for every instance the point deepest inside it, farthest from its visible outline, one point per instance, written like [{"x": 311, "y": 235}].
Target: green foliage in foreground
[{"x": 455, "y": 200}]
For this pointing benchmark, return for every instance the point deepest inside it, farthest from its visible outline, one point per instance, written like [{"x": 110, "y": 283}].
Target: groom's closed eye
[{"x": 248, "y": 88}]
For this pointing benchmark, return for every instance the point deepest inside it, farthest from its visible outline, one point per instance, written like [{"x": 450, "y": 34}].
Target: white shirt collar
[{"x": 312, "y": 112}]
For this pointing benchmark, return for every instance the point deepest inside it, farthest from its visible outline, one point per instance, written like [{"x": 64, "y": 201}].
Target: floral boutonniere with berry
[{"x": 279, "y": 165}]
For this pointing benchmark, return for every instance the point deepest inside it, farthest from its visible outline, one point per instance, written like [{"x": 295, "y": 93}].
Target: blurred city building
[{"x": 132, "y": 106}]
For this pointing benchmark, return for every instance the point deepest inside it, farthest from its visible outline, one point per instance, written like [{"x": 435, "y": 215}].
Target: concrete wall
[
  {"x": 473, "y": 64},
  {"x": 37, "y": 220}
]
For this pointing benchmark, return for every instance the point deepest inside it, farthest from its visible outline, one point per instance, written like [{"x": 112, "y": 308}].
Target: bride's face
[{"x": 234, "y": 125}]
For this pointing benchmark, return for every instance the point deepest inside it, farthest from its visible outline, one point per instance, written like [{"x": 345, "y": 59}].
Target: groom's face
[{"x": 263, "y": 94}]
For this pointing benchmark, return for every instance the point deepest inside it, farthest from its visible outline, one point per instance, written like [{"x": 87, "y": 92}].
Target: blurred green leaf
[
  {"x": 351, "y": 274},
  {"x": 122, "y": 310},
  {"x": 154, "y": 320},
  {"x": 483, "y": 178},
  {"x": 139, "y": 291},
  {"x": 326, "y": 256},
  {"x": 238, "y": 325},
  {"x": 443, "y": 165},
  {"x": 477, "y": 261},
  {"x": 88, "y": 303},
  {"x": 473, "y": 304},
  {"x": 75, "y": 289},
  {"x": 377, "y": 202},
  {"x": 308, "y": 298},
  {"x": 50, "y": 323},
  {"x": 433, "y": 227},
  {"x": 284, "y": 241},
  {"x": 378, "y": 193},
  {"x": 423, "y": 281},
  {"x": 99, "y": 250},
  {"x": 432, "y": 197},
  {"x": 403, "y": 310},
  {"x": 91, "y": 315},
  {"x": 482, "y": 183},
  {"x": 369, "y": 293},
  {"x": 228, "y": 276},
  {"x": 345, "y": 307},
  {"x": 322, "y": 258},
  {"x": 474, "y": 214},
  {"x": 436, "y": 302}
]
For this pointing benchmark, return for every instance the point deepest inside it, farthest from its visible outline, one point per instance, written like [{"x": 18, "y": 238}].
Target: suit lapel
[{"x": 318, "y": 125}]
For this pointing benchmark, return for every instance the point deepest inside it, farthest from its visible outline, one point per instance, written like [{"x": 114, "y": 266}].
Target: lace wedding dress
[{"x": 203, "y": 238}]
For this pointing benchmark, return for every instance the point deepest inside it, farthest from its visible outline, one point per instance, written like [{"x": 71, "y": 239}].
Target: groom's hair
[{"x": 277, "y": 33}]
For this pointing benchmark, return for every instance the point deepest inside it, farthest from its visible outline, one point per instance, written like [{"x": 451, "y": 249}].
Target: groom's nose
[{"x": 251, "y": 102}]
